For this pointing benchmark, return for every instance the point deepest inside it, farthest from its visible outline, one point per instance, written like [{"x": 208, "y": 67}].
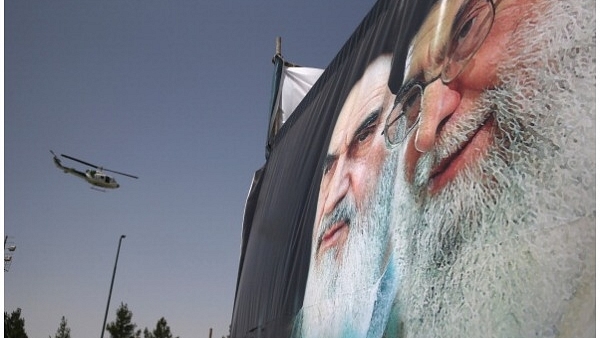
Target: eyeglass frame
[{"x": 414, "y": 84}]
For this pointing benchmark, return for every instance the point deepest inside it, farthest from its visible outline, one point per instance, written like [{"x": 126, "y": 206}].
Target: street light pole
[{"x": 111, "y": 287}]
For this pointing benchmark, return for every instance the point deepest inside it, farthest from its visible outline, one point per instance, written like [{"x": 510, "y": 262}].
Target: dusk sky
[{"x": 175, "y": 92}]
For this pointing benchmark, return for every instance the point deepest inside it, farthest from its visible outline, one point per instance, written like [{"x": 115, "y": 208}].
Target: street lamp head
[{"x": 122, "y": 236}]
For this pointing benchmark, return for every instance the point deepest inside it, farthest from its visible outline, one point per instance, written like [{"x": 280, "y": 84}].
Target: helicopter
[{"x": 96, "y": 177}]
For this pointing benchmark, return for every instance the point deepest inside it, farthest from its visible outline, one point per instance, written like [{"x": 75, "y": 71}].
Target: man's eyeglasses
[{"x": 469, "y": 29}]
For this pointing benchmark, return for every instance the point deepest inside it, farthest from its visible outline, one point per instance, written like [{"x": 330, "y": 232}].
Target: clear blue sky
[{"x": 176, "y": 92}]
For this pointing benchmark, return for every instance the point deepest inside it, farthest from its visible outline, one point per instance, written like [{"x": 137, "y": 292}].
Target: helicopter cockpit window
[{"x": 107, "y": 179}]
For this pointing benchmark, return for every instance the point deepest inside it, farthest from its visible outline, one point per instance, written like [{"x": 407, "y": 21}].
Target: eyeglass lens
[
  {"x": 404, "y": 116},
  {"x": 472, "y": 27},
  {"x": 470, "y": 30}
]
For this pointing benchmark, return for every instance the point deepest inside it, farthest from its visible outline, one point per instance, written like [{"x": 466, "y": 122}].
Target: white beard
[
  {"x": 507, "y": 249},
  {"x": 344, "y": 294}
]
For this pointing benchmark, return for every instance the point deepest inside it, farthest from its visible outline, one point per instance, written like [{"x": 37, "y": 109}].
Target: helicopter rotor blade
[
  {"x": 97, "y": 167},
  {"x": 120, "y": 173},
  {"x": 80, "y": 161}
]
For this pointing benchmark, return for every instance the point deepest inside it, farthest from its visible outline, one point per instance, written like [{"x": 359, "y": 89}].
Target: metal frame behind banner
[
  {"x": 276, "y": 114},
  {"x": 275, "y": 121}
]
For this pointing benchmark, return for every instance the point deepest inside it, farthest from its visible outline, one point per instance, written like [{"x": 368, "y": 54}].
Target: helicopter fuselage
[{"x": 100, "y": 179}]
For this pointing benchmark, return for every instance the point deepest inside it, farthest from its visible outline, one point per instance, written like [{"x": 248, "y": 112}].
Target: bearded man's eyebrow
[{"x": 368, "y": 122}]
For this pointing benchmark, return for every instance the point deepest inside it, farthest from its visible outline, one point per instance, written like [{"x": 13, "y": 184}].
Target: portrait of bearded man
[
  {"x": 494, "y": 200},
  {"x": 349, "y": 289}
]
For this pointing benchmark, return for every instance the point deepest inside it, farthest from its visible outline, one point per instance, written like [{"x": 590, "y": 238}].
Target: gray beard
[
  {"x": 504, "y": 248},
  {"x": 341, "y": 292}
]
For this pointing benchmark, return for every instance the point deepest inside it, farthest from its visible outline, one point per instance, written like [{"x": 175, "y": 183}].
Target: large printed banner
[{"x": 438, "y": 180}]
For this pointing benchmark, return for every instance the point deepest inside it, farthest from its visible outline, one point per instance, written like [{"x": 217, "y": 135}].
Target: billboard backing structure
[{"x": 438, "y": 180}]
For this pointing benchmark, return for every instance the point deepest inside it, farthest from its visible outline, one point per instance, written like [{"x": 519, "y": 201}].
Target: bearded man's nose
[{"x": 439, "y": 102}]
